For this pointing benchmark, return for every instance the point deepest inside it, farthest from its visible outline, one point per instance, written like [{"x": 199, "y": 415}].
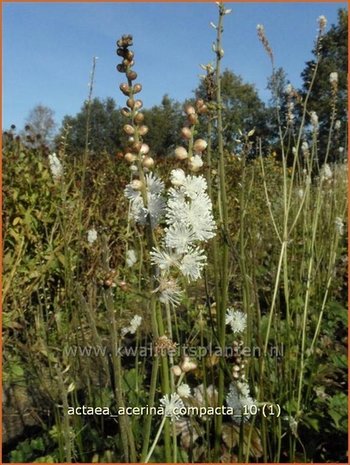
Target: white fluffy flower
[
  {"x": 236, "y": 319},
  {"x": 170, "y": 292},
  {"x": 314, "y": 119},
  {"x": 55, "y": 167},
  {"x": 322, "y": 22},
  {"x": 131, "y": 258},
  {"x": 339, "y": 225},
  {"x": 179, "y": 237},
  {"x": 337, "y": 125},
  {"x": 177, "y": 177},
  {"x": 171, "y": 404},
  {"x": 133, "y": 326},
  {"x": 164, "y": 259},
  {"x": 237, "y": 398},
  {"x": 326, "y": 172},
  {"x": 155, "y": 202},
  {"x": 92, "y": 235},
  {"x": 288, "y": 89},
  {"x": 184, "y": 390},
  {"x": 192, "y": 263},
  {"x": 304, "y": 147},
  {"x": 333, "y": 78},
  {"x": 195, "y": 163}
]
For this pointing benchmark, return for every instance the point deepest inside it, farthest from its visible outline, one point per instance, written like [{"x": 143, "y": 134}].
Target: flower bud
[
  {"x": 132, "y": 75},
  {"x": 129, "y": 55},
  {"x": 144, "y": 149},
  {"x": 190, "y": 110},
  {"x": 138, "y": 104},
  {"x": 139, "y": 118},
  {"x": 124, "y": 88},
  {"x": 143, "y": 130},
  {"x": 137, "y": 88},
  {"x": 129, "y": 157},
  {"x": 181, "y": 153},
  {"x": 136, "y": 184},
  {"x": 129, "y": 129},
  {"x": 186, "y": 133},
  {"x": 130, "y": 103},
  {"x": 176, "y": 370},
  {"x": 200, "y": 145},
  {"x": 148, "y": 162},
  {"x": 136, "y": 146},
  {"x": 199, "y": 103},
  {"x": 203, "y": 109},
  {"x": 125, "y": 112},
  {"x": 192, "y": 118},
  {"x": 187, "y": 365}
]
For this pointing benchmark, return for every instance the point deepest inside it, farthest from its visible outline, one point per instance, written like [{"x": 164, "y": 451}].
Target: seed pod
[
  {"x": 132, "y": 75},
  {"x": 129, "y": 129},
  {"x": 176, "y": 370},
  {"x": 200, "y": 145},
  {"x": 129, "y": 55},
  {"x": 190, "y": 110},
  {"x": 129, "y": 157},
  {"x": 235, "y": 375},
  {"x": 144, "y": 149},
  {"x": 186, "y": 133},
  {"x": 139, "y": 118},
  {"x": 138, "y": 104},
  {"x": 148, "y": 162},
  {"x": 136, "y": 184},
  {"x": 130, "y": 103},
  {"x": 125, "y": 112},
  {"x": 137, "y": 88},
  {"x": 192, "y": 118},
  {"x": 187, "y": 365},
  {"x": 143, "y": 130},
  {"x": 121, "y": 52},
  {"x": 121, "y": 68},
  {"x": 181, "y": 153},
  {"x": 124, "y": 88}
]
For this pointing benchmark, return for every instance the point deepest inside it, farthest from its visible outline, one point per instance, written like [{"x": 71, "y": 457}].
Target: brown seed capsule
[
  {"x": 121, "y": 68},
  {"x": 137, "y": 88},
  {"x": 181, "y": 153},
  {"x": 143, "y": 130},
  {"x": 129, "y": 157},
  {"x": 186, "y": 133},
  {"x": 200, "y": 145},
  {"x": 235, "y": 375},
  {"x": 192, "y": 118},
  {"x": 132, "y": 75},
  {"x": 139, "y": 118},
  {"x": 190, "y": 110},
  {"x": 199, "y": 103},
  {"x": 176, "y": 370},
  {"x": 124, "y": 88},
  {"x": 130, "y": 103},
  {"x": 203, "y": 109},
  {"x": 121, "y": 52},
  {"x": 129, "y": 55},
  {"x": 138, "y": 104},
  {"x": 128, "y": 129}
]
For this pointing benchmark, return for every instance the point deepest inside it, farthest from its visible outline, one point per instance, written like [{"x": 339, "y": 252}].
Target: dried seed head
[
  {"x": 136, "y": 184},
  {"x": 203, "y": 109},
  {"x": 200, "y": 145},
  {"x": 143, "y": 130},
  {"x": 129, "y": 157},
  {"x": 186, "y": 133},
  {"x": 181, "y": 153},
  {"x": 121, "y": 68},
  {"x": 125, "y": 112},
  {"x": 128, "y": 129},
  {"x": 199, "y": 103},
  {"x": 148, "y": 162},
  {"x": 137, "y": 88},
  {"x": 136, "y": 146}
]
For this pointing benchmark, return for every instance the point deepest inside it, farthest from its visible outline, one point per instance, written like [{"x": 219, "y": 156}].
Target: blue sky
[{"x": 48, "y": 49}]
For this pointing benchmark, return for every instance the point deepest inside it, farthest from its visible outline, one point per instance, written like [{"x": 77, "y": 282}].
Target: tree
[
  {"x": 164, "y": 122},
  {"x": 333, "y": 58},
  {"x": 40, "y": 123},
  {"x": 105, "y": 128}
]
